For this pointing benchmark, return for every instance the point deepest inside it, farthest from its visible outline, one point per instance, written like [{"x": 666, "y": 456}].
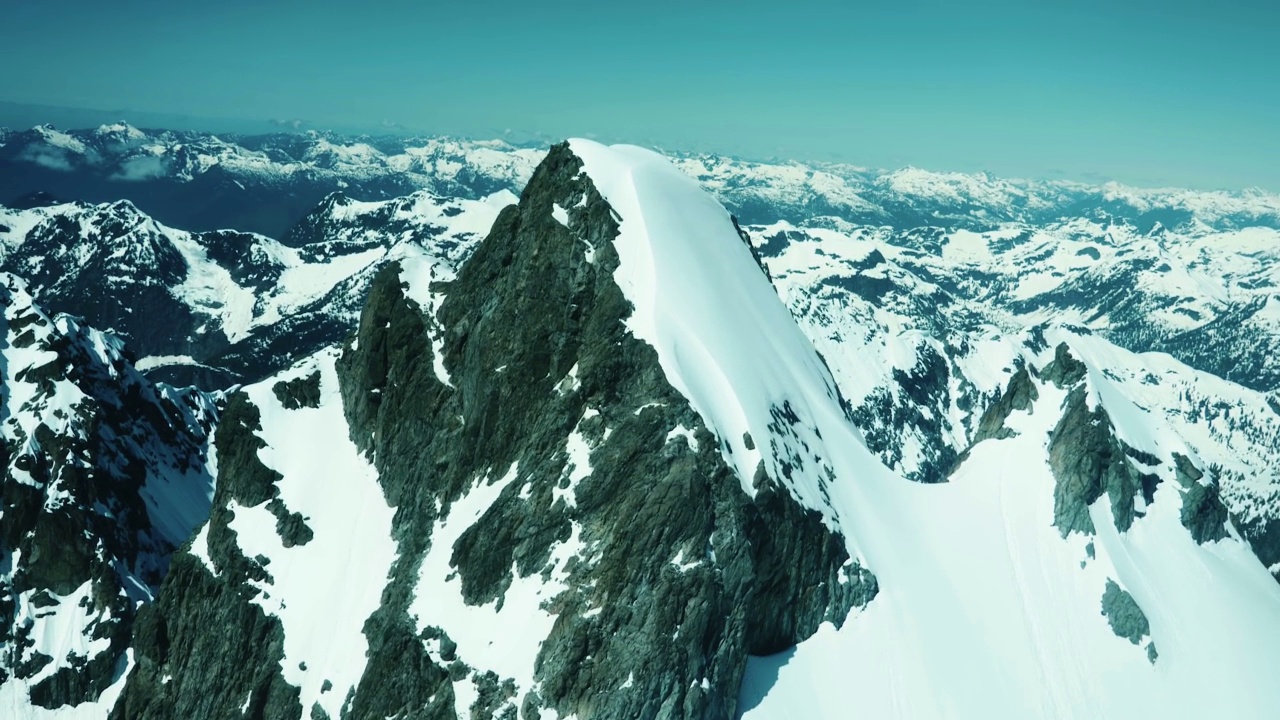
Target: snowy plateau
[{"x": 304, "y": 426}]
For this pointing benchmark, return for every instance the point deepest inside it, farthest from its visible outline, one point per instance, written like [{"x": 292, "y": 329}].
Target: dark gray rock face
[
  {"x": 96, "y": 464},
  {"x": 1126, "y": 618},
  {"x": 299, "y": 392},
  {"x": 1123, "y": 614},
  {"x": 687, "y": 574},
  {"x": 1020, "y": 394},
  {"x": 679, "y": 575},
  {"x": 1064, "y": 371},
  {"x": 203, "y": 648},
  {"x": 1088, "y": 461},
  {"x": 1202, "y": 510}
]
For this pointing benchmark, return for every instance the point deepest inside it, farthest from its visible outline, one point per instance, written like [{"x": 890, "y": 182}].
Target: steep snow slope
[
  {"x": 1004, "y": 617},
  {"x": 322, "y": 590},
  {"x": 566, "y": 540},
  {"x": 708, "y": 330},
  {"x": 985, "y": 609}
]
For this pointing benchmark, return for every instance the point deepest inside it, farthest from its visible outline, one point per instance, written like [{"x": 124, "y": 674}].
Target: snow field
[{"x": 984, "y": 610}]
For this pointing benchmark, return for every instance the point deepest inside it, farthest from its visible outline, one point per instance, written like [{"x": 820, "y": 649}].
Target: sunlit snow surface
[
  {"x": 324, "y": 590},
  {"x": 702, "y": 304},
  {"x": 984, "y": 609}
]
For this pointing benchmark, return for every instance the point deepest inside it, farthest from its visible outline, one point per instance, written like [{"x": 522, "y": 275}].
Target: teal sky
[{"x": 1180, "y": 92}]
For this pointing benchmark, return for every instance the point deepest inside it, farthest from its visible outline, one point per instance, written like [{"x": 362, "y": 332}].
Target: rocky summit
[{"x": 657, "y": 437}]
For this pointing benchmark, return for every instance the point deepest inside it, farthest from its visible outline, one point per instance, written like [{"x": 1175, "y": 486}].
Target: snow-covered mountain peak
[
  {"x": 120, "y": 129},
  {"x": 887, "y": 443},
  {"x": 1162, "y": 512},
  {"x": 971, "y": 188},
  {"x": 1253, "y": 205},
  {"x": 702, "y": 301},
  {"x": 120, "y": 137},
  {"x": 58, "y": 139},
  {"x": 573, "y": 497}
]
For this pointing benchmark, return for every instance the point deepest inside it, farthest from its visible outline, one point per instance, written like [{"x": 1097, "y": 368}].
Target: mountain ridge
[
  {"x": 188, "y": 179},
  {"x": 677, "y": 451}
]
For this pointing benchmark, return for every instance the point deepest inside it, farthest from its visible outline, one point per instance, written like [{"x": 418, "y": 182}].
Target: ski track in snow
[{"x": 984, "y": 610}]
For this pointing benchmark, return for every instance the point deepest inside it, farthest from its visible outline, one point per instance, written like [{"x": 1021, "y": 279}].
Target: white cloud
[
  {"x": 135, "y": 169},
  {"x": 54, "y": 160}
]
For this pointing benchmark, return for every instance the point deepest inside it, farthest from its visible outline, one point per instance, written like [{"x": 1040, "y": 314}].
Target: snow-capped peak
[
  {"x": 55, "y": 137},
  {"x": 723, "y": 338},
  {"x": 120, "y": 130},
  {"x": 985, "y": 608}
]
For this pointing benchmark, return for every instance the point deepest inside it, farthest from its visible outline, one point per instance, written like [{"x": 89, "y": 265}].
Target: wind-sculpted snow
[
  {"x": 905, "y": 441},
  {"x": 709, "y": 330},
  {"x": 985, "y": 608}
]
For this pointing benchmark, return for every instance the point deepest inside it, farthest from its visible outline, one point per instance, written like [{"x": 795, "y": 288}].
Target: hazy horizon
[
  {"x": 1179, "y": 93},
  {"x": 20, "y": 116}
]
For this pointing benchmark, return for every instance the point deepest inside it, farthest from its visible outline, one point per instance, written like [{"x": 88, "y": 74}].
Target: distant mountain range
[
  {"x": 382, "y": 427},
  {"x": 266, "y": 183},
  {"x": 219, "y": 307}
]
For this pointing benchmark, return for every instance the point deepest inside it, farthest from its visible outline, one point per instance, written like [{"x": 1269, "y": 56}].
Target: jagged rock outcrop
[
  {"x": 659, "y": 575},
  {"x": 1202, "y": 510},
  {"x": 679, "y": 575},
  {"x": 104, "y": 476},
  {"x": 1065, "y": 370},
  {"x": 299, "y": 392},
  {"x": 1019, "y": 395},
  {"x": 183, "y": 669},
  {"x": 1089, "y": 462},
  {"x": 1087, "y": 459},
  {"x": 1126, "y": 618}
]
